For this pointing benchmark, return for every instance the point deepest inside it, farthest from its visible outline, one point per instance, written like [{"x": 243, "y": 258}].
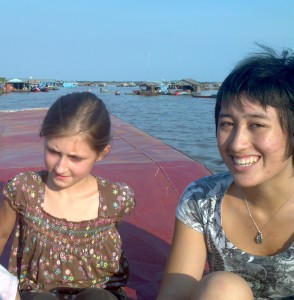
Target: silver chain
[{"x": 259, "y": 236}]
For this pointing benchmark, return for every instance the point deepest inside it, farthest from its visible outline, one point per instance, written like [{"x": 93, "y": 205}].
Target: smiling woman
[
  {"x": 242, "y": 221},
  {"x": 252, "y": 143}
]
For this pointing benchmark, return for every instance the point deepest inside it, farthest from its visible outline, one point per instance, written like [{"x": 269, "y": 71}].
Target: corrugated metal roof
[{"x": 187, "y": 81}]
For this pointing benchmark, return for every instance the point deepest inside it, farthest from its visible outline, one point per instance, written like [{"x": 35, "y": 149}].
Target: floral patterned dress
[
  {"x": 50, "y": 253},
  {"x": 270, "y": 277}
]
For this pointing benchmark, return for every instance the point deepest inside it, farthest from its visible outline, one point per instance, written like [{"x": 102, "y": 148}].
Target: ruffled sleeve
[
  {"x": 199, "y": 199},
  {"x": 116, "y": 199},
  {"x": 21, "y": 189},
  {"x": 189, "y": 209}
]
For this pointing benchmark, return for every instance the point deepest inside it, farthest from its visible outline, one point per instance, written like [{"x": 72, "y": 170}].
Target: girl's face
[
  {"x": 252, "y": 144},
  {"x": 69, "y": 160}
]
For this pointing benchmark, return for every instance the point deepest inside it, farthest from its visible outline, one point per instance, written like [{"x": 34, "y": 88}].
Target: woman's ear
[{"x": 103, "y": 153}]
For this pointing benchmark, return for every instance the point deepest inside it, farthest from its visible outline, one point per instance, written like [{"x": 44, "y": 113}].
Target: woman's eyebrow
[
  {"x": 247, "y": 115},
  {"x": 222, "y": 115}
]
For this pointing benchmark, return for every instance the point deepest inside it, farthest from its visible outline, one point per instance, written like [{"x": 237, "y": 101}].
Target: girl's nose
[{"x": 60, "y": 166}]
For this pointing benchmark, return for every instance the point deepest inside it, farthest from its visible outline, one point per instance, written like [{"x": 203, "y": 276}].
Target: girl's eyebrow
[{"x": 49, "y": 147}]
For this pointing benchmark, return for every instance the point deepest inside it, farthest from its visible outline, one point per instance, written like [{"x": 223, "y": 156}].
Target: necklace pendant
[{"x": 259, "y": 238}]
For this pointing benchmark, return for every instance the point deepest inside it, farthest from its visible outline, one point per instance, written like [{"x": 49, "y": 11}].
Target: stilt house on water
[{"x": 185, "y": 85}]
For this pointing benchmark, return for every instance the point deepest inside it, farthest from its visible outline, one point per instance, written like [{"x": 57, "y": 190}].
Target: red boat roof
[{"x": 157, "y": 172}]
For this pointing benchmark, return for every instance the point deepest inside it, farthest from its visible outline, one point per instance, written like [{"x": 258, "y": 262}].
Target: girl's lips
[{"x": 60, "y": 176}]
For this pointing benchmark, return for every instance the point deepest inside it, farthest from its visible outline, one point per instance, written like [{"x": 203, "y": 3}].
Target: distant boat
[
  {"x": 198, "y": 95},
  {"x": 105, "y": 91},
  {"x": 134, "y": 93},
  {"x": 44, "y": 89},
  {"x": 70, "y": 84},
  {"x": 35, "y": 89},
  {"x": 180, "y": 93}
]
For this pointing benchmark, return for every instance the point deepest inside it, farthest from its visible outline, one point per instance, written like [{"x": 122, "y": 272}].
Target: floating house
[
  {"x": 185, "y": 85},
  {"x": 17, "y": 83},
  {"x": 149, "y": 89}
]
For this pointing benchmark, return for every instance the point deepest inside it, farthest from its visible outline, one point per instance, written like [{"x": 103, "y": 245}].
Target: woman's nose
[{"x": 239, "y": 139}]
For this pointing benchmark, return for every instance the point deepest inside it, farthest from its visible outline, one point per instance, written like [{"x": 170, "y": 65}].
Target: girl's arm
[
  {"x": 185, "y": 265},
  {"x": 8, "y": 217}
]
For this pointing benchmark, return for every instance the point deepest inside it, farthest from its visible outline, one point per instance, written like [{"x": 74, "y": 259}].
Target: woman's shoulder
[
  {"x": 210, "y": 185},
  {"x": 200, "y": 199}
]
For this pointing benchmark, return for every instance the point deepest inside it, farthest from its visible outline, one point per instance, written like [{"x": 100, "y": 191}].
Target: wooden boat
[
  {"x": 131, "y": 93},
  {"x": 197, "y": 95},
  {"x": 35, "y": 89},
  {"x": 157, "y": 172},
  {"x": 183, "y": 93}
]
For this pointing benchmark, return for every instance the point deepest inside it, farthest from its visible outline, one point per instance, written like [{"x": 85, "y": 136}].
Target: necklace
[{"x": 259, "y": 236}]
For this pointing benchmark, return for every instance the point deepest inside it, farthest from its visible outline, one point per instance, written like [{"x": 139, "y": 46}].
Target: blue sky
[{"x": 137, "y": 40}]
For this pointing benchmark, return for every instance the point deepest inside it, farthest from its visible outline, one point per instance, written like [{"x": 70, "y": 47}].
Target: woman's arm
[
  {"x": 8, "y": 217},
  {"x": 185, "y": 265}
]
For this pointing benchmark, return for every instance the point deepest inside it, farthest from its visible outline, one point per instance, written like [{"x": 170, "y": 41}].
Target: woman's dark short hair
[
  {"x": 267, "y": 79},
  {"x": 79, "y": 113}
]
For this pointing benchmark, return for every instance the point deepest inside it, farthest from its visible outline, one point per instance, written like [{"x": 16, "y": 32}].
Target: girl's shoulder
[
  {"x": 26, "y": 179},
  {"x": 116, "y": 198},
  {"x": 34, "y": 176},
  {"x": 113, "y": 185},
  {"x": 24, "y": 187}
]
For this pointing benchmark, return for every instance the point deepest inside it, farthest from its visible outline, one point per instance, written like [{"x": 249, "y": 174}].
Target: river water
[{"x": 183, "y": 122}]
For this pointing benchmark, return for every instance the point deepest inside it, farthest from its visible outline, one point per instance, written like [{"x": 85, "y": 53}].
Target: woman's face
[{"x": 253, "y": 144}]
